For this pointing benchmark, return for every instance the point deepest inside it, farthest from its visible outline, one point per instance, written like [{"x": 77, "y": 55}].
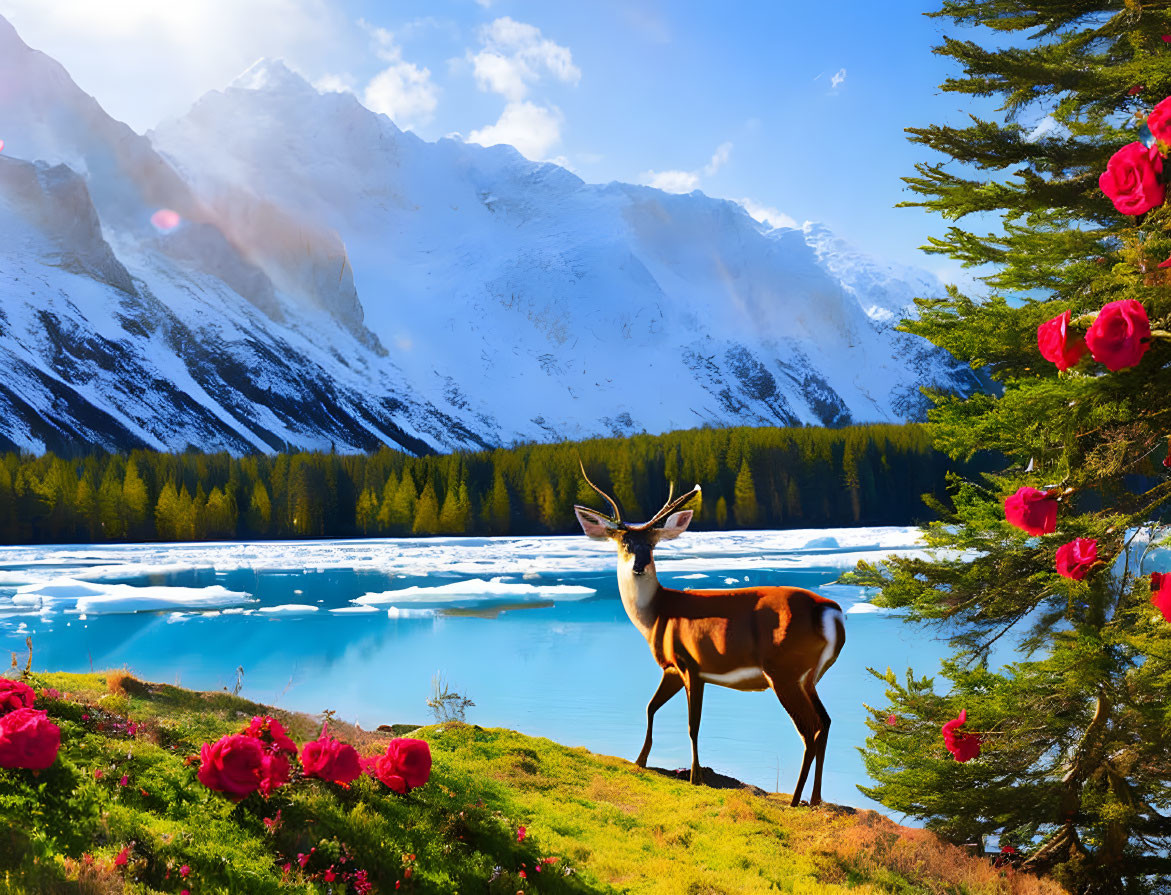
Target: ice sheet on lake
[
  {"x": 99, "y": 598},
  {"x": 478, "y": 589},
  {"x": 529, "y": 558}
]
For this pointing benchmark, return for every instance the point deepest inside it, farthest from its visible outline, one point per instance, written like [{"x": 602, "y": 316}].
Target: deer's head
[{"x": 636, "y": 542}]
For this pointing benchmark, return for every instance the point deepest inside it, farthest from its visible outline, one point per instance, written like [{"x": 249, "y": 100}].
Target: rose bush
[
  {"x": 1159, "y": 121},
  {"x": 1055, "y": 342},
  {"x": 233, "y": 765},
  {"x": 1131, "y": 179},
  {"x": 1075, "y": 559},
  {"x": 963, "y": 746},
  {"x": 271, "y": 733},
  {"x": 405, "y": 765},
  {"x": 327, "y": 759},
  {"x": 1032, "y": 511},
  {"x": 15, "y": 695},
  {"x": 28, "y": 739},
  {"x": 1120, "y": 334},
  {"x": 1161, "y": 594}
]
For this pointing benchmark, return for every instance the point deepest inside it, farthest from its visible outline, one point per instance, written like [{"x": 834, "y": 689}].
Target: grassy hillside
[{"x": 123, "y": 784}]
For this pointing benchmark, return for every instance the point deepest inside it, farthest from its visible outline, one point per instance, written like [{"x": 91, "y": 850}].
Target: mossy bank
[{"x": 121, "y": 810}]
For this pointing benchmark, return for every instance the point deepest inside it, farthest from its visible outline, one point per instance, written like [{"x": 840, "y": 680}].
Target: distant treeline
[{"x": 751, "y": 478}]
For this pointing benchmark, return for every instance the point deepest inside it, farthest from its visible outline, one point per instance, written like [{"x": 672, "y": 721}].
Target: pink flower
[
  {"x": 125, "y": 781},
  {"x": 1165, "y": 264},
  {"x": 271, "y": 732},
  {"x": 327, "y": 759},
  {"x": 233, "y": 765},
  {"x": 1032, "y": 511},
  {"x": 304, "y": 859},
  {"x": 1131, "y": 179},
  {"x": 1159, "y": 121},
  {"x": 1057, "y": 344},
  {"x": 98, "y": 774},
  {"x": 1161, "y": 594},
  {"x": 15, "y": 695},
  {"x": 1120, "y": 334},
  {"x": 329, "y": 876},
  {"x": 520, "y": 834},
  {"x": 962, "y": 746},
  {"x": 892, "y": 720},
  {"x": 184, "y": 870},
  {"x": 406, "y": 764},
  {"x": 122, "y": 857},
  {"x": 1075, "y": 559},
  {"x": 28, "y": 739}
]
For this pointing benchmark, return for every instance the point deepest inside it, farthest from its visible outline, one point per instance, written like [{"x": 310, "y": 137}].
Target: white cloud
[
  {"x": 533, "y": 130},
  {"x": 334, "y": 84},
  {"x": 766, "y": 214},
  {"x": 169, "y": 54},
  {"x": 671, "y": 181},
  {"x": 719, "y": 158},
  {"x": 838, "y": 79},
  {"x": 677, "y": 181},
  {"x": 403, "y": 91},
  {"x": 515, "y": 55}
]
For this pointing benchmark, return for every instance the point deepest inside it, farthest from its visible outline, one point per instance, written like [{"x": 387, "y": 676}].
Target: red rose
[
  {"x": 1032, "y": 511},
  {"x": 327, "y": 759},
  {"x": 271, "y": 732},
  {"x": 274, "y": 773},
  {"x": 1120, "y": 334},
  {"x": 406, "y": 760},
  {"x": 1160, "y": 594},
  {"x": 1075, "y": 559},
  {"x": 15, "y": 695},
  {"x": 1053, "y": 340},
  {"x": 1159, "y": 121},
  {"x": 1131, "y": 179},
  {"x": 233, "y": 765},
  {"x": 385, "y": 770},
  {"x": 28, "y": 739},
  {"x": 962, "y": 746}
]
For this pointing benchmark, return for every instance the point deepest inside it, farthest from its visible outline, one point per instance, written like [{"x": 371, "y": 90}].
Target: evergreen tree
[
  {"x": 498, "y": 505},
  {"x": 135, "y": 502},
  {"x": 366, "y": 513},
  {"x": 260, "y": 510},
  {"x": 426, "y": 520},
  {"x": 167, "y": 513},
  {"x": 112, "y": 517},
  {"x": 1050, "y": 556},
  {"x": 744, "y": 506}
]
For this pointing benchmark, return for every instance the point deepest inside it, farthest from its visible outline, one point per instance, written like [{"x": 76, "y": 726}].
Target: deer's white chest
[{"x": 637, "y": 592}]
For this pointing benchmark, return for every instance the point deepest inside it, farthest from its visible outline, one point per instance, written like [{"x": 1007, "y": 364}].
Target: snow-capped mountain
[{"x": 334, "y": 280}]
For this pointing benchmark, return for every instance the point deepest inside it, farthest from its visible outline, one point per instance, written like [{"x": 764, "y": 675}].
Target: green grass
[{"x": 611, "y": 827}]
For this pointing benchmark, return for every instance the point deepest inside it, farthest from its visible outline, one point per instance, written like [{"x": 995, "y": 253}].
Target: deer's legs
[
  {"x": 694, "y": 709},
  {"x": 671, "y": 684},
  {"x": 808, "y": 720},
  {"x": 822, "y": 739}
]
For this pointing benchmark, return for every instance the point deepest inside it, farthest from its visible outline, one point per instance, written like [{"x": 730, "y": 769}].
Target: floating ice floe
[
  {"x": 478, "y": 589},
  {"x": 399, "y": 612},
  {"x": 288, "y": 608},
  {"x": 99, "y": 598},
  {"x": 361, "y": 610}
]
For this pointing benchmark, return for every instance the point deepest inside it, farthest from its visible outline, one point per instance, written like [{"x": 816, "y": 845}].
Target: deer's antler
[{"x": 617, "y": 517}]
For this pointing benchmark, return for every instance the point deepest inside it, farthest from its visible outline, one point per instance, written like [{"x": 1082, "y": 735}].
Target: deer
[{"x": 748, "y": 638}]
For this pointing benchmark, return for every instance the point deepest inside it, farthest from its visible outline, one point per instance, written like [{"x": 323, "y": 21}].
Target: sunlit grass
[{"x": 614, "y": 827}]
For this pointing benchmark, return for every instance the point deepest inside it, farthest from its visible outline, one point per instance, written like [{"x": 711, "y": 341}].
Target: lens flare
[
  {"x": 1, "y": 145},
  {"x": 165, "y": 220}
]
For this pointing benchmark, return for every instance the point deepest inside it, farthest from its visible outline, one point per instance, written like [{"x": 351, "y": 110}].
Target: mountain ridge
[{"x": 332, "y": 280}]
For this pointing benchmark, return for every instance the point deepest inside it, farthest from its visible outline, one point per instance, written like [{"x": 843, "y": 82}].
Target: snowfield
[{"x": 335, "y": 281}]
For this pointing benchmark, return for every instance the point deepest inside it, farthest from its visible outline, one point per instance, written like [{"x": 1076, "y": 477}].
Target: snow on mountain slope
[
  {"x": 593, "y": 307},
  {"x": 335, "y": 280},
  {"x": 115, "y": 334}
]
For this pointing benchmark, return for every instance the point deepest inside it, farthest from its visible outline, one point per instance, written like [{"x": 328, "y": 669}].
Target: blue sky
[{"x": 796, "y": 108}]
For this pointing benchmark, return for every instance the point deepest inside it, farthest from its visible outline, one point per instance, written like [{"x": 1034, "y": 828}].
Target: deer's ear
[
  {"x": 675, "y": 525},
  {"x": 592, "y": 524}
]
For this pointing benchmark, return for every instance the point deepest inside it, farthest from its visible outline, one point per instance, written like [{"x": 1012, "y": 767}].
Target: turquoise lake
[{"x": 531, "y": 629}]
